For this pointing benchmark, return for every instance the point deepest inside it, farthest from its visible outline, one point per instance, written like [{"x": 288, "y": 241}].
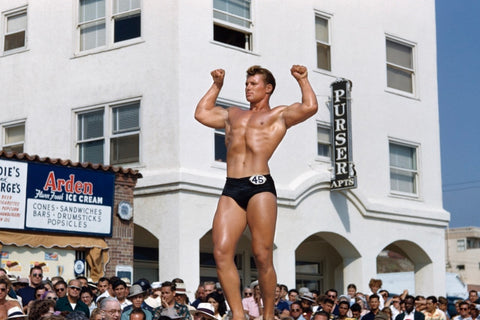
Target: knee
[
  {"x": 263, "y": 258},
  {"x": 222, "y": 254}
]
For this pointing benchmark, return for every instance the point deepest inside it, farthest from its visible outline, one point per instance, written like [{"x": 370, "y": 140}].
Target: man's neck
[
  {"x": 261, "y": 105},
  {"x": 72, "y": 299}
]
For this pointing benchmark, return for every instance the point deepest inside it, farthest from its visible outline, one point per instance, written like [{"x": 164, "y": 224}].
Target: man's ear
[{"x": 269, "y": 88}]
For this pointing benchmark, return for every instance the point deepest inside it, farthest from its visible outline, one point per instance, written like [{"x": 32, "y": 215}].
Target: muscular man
[{"x": 249, "y": 197}]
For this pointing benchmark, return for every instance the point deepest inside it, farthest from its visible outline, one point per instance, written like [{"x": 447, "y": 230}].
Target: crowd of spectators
[{"x": 116, "y": 299}]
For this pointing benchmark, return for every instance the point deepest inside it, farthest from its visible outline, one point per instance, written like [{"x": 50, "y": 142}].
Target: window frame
[
  {"x": 328, "y": 18},
  {"x": 108, "y": 130},
  {"x": 235, "y": 27},
  {"x": 416, "y": 172},
  {"x": 8, "y": 14},
  {"x": 412, "y": 71},
  {"x": 326, "y": 126},
  {"x": 110, "y": 19},
  {"x": 7, "y": 125},
  {"x": 224, "y": 103}
]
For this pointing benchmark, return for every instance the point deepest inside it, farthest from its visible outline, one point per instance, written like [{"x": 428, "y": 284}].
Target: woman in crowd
[{"x": 218, "y": 302}]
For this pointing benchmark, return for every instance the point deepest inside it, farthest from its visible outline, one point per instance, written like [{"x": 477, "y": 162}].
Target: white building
[{"x": 117, "y": 81}]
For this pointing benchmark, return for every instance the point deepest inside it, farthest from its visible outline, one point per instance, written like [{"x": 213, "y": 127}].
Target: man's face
[
  {"x": 168, "y": 295},
  {"x": 356, "y": 314},
  {"x": 374, "y": 288},
  {"x": 306, "y": 304},
  {"x": 293, "y": 296},
  {"x": 472, "y": 296},
  {"x": 343, "y": 309},
  {"x": 247, "y": 292},
  {"x": 201, "y": 293},
  {"x": 39, "y": 293},
  {"x": 295, "y": 311},
  {"x": 374, "y": 304},
  {"x": 431, "y": 307},
  {"x": 102, "y": 286},
  {"x": 327, "y": 307},
  {"x": 283, "y": 292},
  {"x": 120, "y": 292},
  {"x": 112, "y": 310},
  {"x": 36, "y": 277},
  {"x": 409, "y": 304},
  {"x": 256, "y": 88},
  {"x": 3, "y": 291},
  {"x": 209, "y": 288},
  {"x": 332, "y": 295},
  {"x": 137, "y": 301},
  {"x": 464, "y": 312},
  {"x": 278, "y": 291},
  {"x": 60, "y": 290},
  {"x": 74, "y": 288}
]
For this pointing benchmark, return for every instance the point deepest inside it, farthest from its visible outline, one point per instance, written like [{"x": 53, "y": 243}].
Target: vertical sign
[
  {"x": 13, "y": 188},
  {"x": 344, "y": 175}
]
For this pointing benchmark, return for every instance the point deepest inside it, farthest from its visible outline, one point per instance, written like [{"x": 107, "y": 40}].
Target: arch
[
  {"x": 326, "y": 260},
  {"x": 145, "y": 254},
  {"x": 417, "y": 278}
]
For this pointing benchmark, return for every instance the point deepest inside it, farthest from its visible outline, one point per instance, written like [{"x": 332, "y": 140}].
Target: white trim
[
  {"x": 5, "y": 15},
  {"x": 414, "y": 145},
  {"x": 413, "y": 70}
]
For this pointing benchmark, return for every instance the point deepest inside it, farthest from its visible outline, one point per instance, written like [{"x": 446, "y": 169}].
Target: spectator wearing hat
[
  {"x": 153, "y": 300},
  {"x": 169, "y": 306},
  {"x": 181, "y": 295},
  {"x": 72, "y": 302},
  {"x": 205, "y": 311},
  {"x": 121, "y": 292},
  {"x": 15, "y": 313},
  {"x": 137, "y": 297},
  {"x": 6, "y": 305},
  {"x": 307, "y": 301}
]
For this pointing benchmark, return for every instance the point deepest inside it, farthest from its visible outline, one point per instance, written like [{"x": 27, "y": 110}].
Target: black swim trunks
[{"x": 243, "y": 189}]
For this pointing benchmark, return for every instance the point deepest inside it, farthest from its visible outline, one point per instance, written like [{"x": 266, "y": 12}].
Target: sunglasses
[
  {"x": 52, "y": 298},
  {"x": 75, "y": 288},
  {"x": 39, "y": 275},
  {"x": 295, "y": 310},
  {"x": 3, "y": 289},
  {"x": 463, "y": 308},
  {"x": 60, "y": 289},
  {"x": 248, "y": 294}
]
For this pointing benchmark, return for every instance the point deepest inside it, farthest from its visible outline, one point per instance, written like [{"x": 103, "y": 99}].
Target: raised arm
[
  {"x": 206, "y": 112},
  {"x": 299, "y": 112}
]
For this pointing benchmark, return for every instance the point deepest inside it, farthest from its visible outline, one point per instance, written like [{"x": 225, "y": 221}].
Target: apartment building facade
[{"x": 117, "y": 81}]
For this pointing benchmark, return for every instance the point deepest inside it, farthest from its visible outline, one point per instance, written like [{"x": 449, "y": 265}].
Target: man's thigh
[
  {"x": 262, "y": 217},
  {"x": 229, "y": 222}
]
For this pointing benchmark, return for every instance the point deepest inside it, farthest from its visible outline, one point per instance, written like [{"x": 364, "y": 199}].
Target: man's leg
[
  {"x": 261, "y": 219},
  {"x": 228, "y": 225}
]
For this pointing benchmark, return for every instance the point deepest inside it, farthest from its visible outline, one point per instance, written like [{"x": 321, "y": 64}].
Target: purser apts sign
[{"x": 344, "y": 175}]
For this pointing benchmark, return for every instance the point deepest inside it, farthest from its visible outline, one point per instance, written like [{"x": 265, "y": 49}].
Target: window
[
  {"x": 15, "y": 30},
  {"x": 461, "y": 245},
  {"x": 232, "y": 23},
  {"x": 323, "y": 42},
  {"x": 14, "y": 138},
  {"x": 97, "y": 17},
  {"x": 109, "y": 135},
  {"x": 461, "y": 267},
  {"x": 324, "y": 144},
  {"x": 403, "y": 168},
  {"x": 400, "y": 70}
]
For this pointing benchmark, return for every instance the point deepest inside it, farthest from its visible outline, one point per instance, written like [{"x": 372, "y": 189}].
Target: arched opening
[
  {"x": 403, "y": 265},
  {"x": 145, "y": 254},
  {"x": 323, "y": 261}
]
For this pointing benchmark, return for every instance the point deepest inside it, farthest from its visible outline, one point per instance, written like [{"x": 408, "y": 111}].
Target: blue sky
[{"x": 458, "y": 59}]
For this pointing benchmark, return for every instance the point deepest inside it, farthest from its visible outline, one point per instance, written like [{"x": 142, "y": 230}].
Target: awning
[{"x": 96, "y": 248}]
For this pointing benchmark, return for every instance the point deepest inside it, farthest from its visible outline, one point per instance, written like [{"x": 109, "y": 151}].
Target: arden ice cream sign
[{"x": 35, "y": 196}]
